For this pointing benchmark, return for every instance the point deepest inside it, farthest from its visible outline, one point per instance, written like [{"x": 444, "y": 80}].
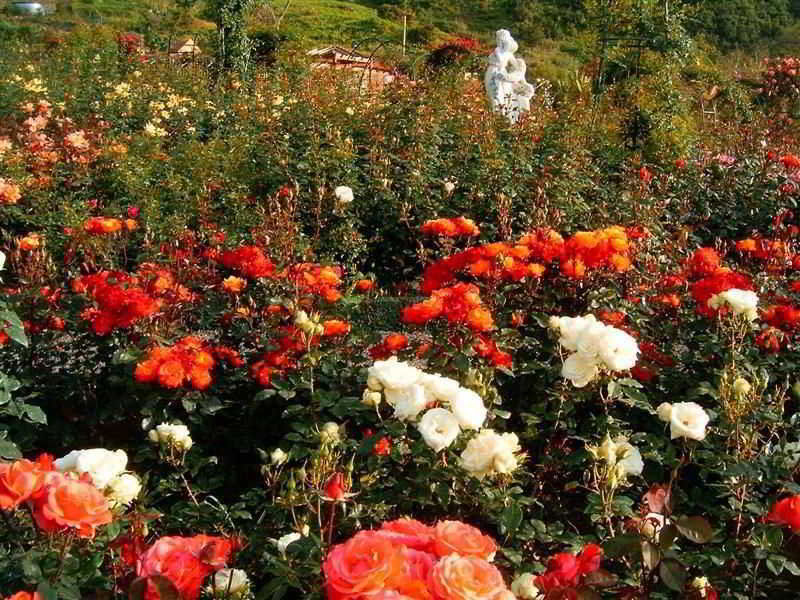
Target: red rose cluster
[
  {"x": 408, "y": 559},
  {"x": 250, "y": 261},
  {"x": 185, "y": 561},
  {"x": 565, "y": 572},
  {"x": 189, "y": 361},
  {"x": 119, "y": 301},
  {"x": 58, "y": 502},
  {"x": 709, "y": 278}
]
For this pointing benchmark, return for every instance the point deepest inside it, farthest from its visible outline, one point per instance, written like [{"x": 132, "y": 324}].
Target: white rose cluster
[
  {"x": 524, "y": 587},
  {"x": 410, "y": 390},
  {"x": 107, "y": 468},
  {"x": 448, "y": 409},
  {"x": 740, "y": 302},
  {"x": 595, "y": 347},
  {"x": 172, "y": 436},
  {"x": 686, "y": 419}
]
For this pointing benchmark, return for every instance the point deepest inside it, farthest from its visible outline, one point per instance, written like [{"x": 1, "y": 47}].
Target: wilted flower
[{"x": 329, "y": 433}]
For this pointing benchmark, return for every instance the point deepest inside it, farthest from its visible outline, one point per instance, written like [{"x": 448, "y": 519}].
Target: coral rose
[
  {"x": 18, "y": 482},
  {"x": 410, "y": 533},
  {"x": 68, "y": 503},
  {"x": 466, "y": 578},
  {"x": 459, "y": 538},
  {"x": 362, "y": 566}
]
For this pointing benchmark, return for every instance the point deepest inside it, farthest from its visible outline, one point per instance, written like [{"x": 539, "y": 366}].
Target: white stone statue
[{"x": 509, "y": 93}]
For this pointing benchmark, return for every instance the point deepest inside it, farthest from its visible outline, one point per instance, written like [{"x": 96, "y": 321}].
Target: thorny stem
[
  {"x": 189, "y": 489},
  {"x": 62, "y": 555},
  {"x": 12, "y": 529}
]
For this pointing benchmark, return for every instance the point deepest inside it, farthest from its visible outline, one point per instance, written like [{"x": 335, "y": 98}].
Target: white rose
[
  {"x": 172, "y": 435},
  {"x": 591, "y": 339},
  {"x": 283, "y": 542},
  {"x": 468, "y": 408},
  {"x": 278, "y": 457},
  {"x": 123, "y": 489},
  {"x": 439, "y": 428},
  {"x": 628, "y": 457},
  {"x": 102, "y": 465},
  {"x": 525, "y": 588},
  {"x": 343, "y": 194},
  {"x": 580, "y": 369},
  {"x": 370, "y": 398},
  {"x": 617, "y": 349},
  {"x": 393, "y": 373},
  {"x": 688, "y": 420},
  {"x": 571, "y": 329},
  {"x": 408, "y": 402},
  {"x": 489, "y": 452},
  {"x": 440, "y": 388},
  {"x": 230, "y": 581},
  {"x": 449, "y": 186},
  {"x": 664, "y": 411},
  {"x": 741, "y": 302},
  {"x": 329, "y": 433}
]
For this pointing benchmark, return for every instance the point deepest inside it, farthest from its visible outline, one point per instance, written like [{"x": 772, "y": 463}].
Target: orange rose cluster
[
  {"x": 292, "y": 344},
  {"x": 458, "y": 227},
  {"x": 602, "y": 249},
  {"x": 185, "y": 561},
  {"x": 249, "y": 261},
  {"x": 106, "y": 225},
  {"x": 120, "y": 302},
  {"x": 189, "y": 362},
  {"x": 408, "y": 559},
  {"x": 317, "y": 280},
  {"x": 460, "y": 304},
  {"x": 609, "y": 248},
  {"x": 59, "y": 502}
]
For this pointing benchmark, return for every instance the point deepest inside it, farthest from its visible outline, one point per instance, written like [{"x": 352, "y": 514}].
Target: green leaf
[
  {"x": 696, "y": 529},
  {"x": 651, "y": 555},
  {"x": 622, "y": 545},
  {"x": 672, "y": 574},
  {"x": 9, "y": 450},
  {"x": 12, "y": 325},
  {"x": 35, "y": 414},
  {"x": 775, "y": 563},
  {"x": 512, "y": 517}
]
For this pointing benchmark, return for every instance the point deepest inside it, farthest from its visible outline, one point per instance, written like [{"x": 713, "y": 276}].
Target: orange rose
[
  {"x": 480, "y": 319},
  {"x": 361, "y": 566},
  {"x": 364, "y": 285},
  {"x": 25, "y": 596},
  {"x": 171, "y": 374},
  {"x": 466, "y": 578},
  {"x": 69, "y": 503},
  {"x": 18, "y": 482},
  {"x": 336, "y": 327},
  {"x": 451, "y": 537},
  {"x": 29, "y": 242},
  {"x": 234, "y": 284}
]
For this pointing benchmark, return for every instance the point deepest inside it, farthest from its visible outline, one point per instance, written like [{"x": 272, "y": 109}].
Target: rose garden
[{"x": 266, "y": 334}]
